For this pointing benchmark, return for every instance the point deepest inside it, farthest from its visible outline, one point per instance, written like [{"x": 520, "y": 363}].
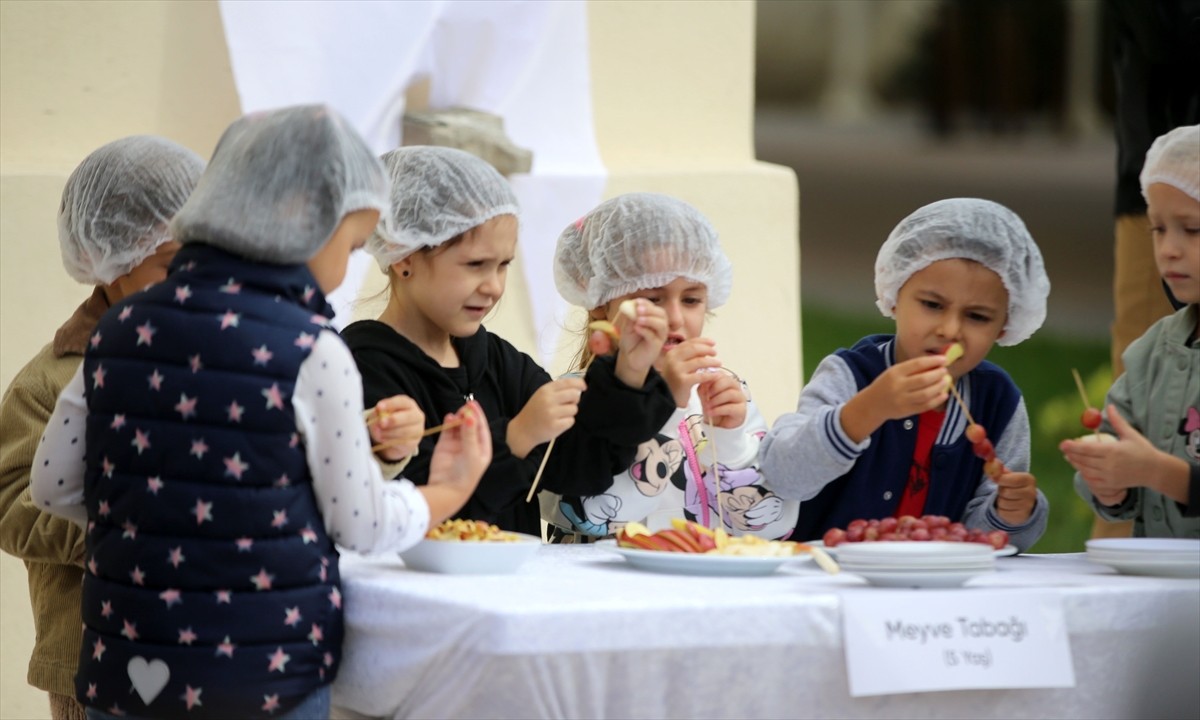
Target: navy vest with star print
[{"x": 212, "y": 589}]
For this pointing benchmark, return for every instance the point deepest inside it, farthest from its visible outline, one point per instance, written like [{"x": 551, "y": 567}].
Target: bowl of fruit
[{"x": 470, "y": 547}]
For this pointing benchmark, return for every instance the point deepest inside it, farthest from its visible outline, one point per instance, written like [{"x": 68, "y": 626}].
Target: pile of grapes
[{"x": 929, "y": 527}]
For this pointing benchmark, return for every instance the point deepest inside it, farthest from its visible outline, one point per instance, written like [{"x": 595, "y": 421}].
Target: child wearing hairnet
[
  {"x": 212, "y": 443},
  {"x": 1151, "y": 473},
  {"x": 700, "y": 464},
  {"x": 112, "y": 230},
  {"x": 875, "y": 433},
  {"x": 447, "y": 258}
]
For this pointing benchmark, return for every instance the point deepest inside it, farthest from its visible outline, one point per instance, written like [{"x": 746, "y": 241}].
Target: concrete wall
[{"x": 673, "y": 94}]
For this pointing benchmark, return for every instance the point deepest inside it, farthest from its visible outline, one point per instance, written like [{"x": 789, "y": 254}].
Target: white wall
[{"x": 673, "y": 97}]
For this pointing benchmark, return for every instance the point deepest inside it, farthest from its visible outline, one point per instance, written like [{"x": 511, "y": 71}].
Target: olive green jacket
[
  {"x": 1160, "y": 385},
  {"x": 51, "y": 547}
]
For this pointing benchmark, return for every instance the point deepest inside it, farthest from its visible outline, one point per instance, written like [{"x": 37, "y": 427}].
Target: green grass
[{"x": 1041, "y": 367}]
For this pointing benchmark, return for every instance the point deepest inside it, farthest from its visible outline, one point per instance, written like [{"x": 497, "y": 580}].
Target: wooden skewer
[
  {"x": 1083, "y": 396},
  {"x": 961, "y": 404},
  {"x": 428, "y": 431},
  {"x": 537, "y": 477},
  {"x": 1082, "y": 392}
]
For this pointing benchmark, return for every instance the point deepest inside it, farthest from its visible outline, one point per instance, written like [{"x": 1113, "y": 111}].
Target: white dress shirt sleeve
[
  {"x": 363, "y": 512},
  {"x": 56, "y": 479}
]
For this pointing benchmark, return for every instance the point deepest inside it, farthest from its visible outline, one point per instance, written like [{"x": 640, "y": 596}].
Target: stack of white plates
[
  {"x": 1162, "y": 557},
  {"x": 916, "y": 564}
]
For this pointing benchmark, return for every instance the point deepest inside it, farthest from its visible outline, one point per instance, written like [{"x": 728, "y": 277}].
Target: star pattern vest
[{"x": 211, "y": 587}]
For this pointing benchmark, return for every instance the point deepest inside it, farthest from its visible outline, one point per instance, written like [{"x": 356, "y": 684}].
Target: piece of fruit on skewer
[
  {"x": 605, "y": 336},
  {"x": 953, "y": 352},
  {"x": 604, "y": 340}
]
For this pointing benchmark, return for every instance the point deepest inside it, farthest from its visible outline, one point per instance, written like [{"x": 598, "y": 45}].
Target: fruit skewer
[
  {"x": 980, "y": 445},
  {"x": 428, "y": 431},
  {"x": 1091, "y": 418},
  {"x": 603, "y": 340}
]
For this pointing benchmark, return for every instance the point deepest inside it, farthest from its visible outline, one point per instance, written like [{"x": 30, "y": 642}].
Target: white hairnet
[
  {"x": 969, "y": 229},
  {"x": 117, "y": 205},
  {"x": 635, "y": 242},
  {"x": 438, "y": 193},
  {"x": 279, "y": 183},
  {"x": 1174, "y": 159}
]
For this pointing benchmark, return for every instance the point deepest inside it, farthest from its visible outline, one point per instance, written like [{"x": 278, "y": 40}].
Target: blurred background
[{"x": 881, "y": 107}]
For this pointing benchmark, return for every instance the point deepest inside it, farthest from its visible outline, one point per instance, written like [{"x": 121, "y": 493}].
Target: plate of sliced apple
[{"x": 688, "y": 548}]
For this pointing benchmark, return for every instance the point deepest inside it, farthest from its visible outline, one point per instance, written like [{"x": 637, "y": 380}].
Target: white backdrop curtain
[{"x": 524, "y": 60}]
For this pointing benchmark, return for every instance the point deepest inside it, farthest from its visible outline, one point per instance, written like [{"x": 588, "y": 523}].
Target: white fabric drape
[{"x": 524, "y": 60}]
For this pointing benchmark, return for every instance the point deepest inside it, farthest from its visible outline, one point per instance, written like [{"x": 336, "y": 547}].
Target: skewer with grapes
[{"x": 980, "y": 444}]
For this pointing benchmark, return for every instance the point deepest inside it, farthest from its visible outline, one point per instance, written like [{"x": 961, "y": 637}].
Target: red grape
[
  {"x": 834, "y": 537},
  {"x": 984, "y": 449},
  {"x": 975, "y": 433},
  {"x": 1091, "y": 418}
]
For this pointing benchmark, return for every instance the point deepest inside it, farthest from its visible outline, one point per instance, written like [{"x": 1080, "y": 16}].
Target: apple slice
[
  {"x": 680, "y": 539},
  {"x": 628, "y": 308},
  {"x": 953, "y": 351},
  {"x": 636, "y": 528},
  {"x": 1097, "y": 437}
]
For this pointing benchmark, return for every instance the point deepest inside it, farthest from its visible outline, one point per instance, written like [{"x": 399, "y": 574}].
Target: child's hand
[
  {"x": 1110, "y": 469},
  {"x": 548, "y": 413},
  {"x": 399, "y": 423},
  {"x": 723, "y": 400},
  {"x": 905, "y": 389},
  {"x": 641, "y": 342},
  {"x": 686, "y": 365},
  {"x": 1016, "y": 497},
  {"x": 462, "y": 454}
]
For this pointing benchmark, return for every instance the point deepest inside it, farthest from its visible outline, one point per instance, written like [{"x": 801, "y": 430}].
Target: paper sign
[{"x": 904, "y": 642}]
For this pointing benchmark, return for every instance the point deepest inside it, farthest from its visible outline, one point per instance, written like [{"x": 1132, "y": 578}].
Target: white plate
[
  {"x": 1174, "y": 548},
  {"x": 1002, "y": 552},
  {"x": 704, "y": 564},
  {"x": 1164, "y": 568},
  {"x": 917, "y": 579},
  {"x": 455, "y": 557},
  {"x": 852, "y": 566}
]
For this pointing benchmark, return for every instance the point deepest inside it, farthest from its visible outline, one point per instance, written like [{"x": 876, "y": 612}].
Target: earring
[{"x": 404, "y": 274}]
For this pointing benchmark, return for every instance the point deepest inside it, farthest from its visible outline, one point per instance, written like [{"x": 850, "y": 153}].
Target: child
[
  {"x": 455, "y": 236},
  {"x": 661, "y": 251},
  {"x": 875, "y": 434},
  {"x": 112, "y": 229},
  {"x": 213, "y": 443},
  {"x": 1154, "y": 478}
]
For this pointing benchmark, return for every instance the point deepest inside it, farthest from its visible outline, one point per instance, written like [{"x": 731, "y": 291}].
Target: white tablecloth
[{"x": 576, "y": 633}]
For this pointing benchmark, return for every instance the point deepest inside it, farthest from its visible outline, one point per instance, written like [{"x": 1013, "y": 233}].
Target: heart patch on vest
[{"x": 149, "y": 678}]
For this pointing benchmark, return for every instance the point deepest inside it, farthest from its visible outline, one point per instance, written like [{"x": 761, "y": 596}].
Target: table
[{"x": 576, "y": 633}]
